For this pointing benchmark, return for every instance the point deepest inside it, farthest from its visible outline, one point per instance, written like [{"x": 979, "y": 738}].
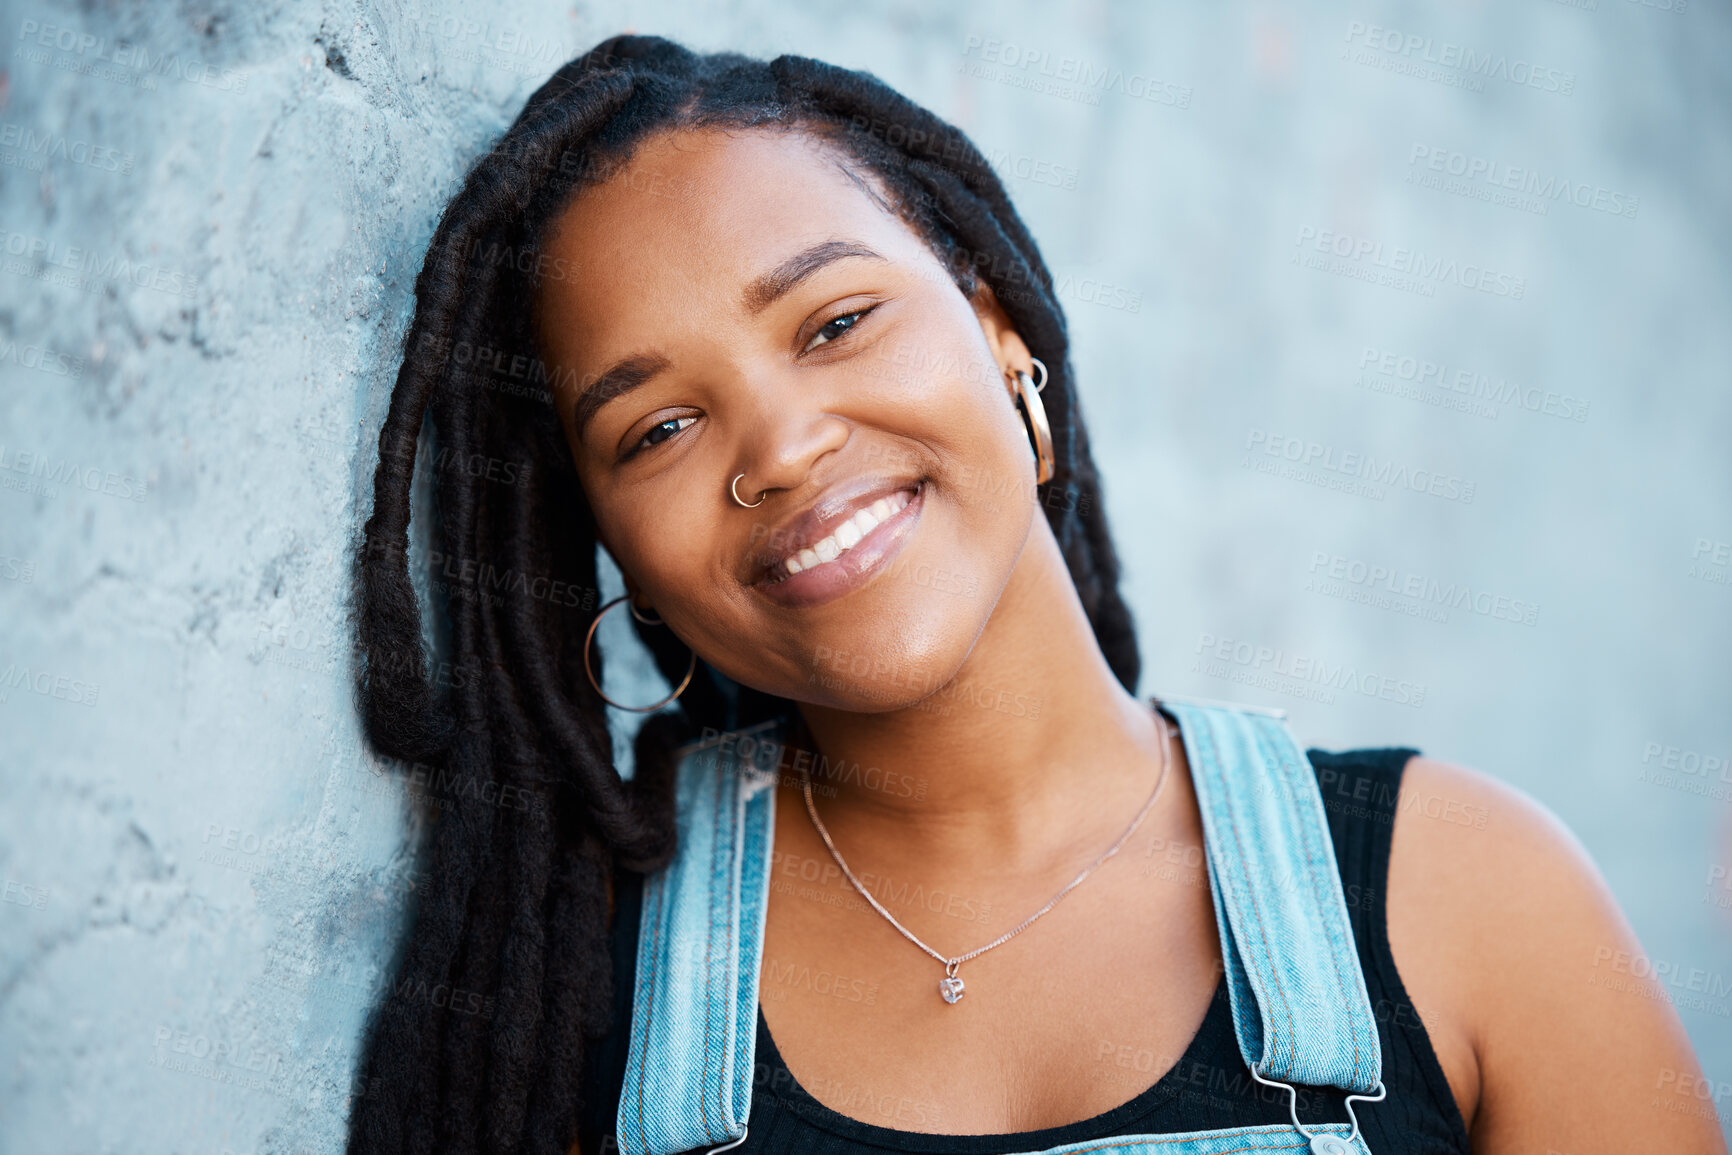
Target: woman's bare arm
[{"x": 1525, "y": 973}]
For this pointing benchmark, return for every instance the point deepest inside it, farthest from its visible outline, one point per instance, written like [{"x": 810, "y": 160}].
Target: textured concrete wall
[{"x": 1266, "y": 224}]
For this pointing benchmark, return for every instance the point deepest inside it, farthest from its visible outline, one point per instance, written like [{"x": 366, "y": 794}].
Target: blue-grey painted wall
[{"x": 1483, "y": 245}]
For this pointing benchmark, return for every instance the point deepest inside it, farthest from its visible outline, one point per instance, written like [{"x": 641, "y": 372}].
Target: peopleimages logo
[
  {"x": 138, "y": 57},
  {"x": 45, "y": 146},
  {"x": 1683, "y": 981},
  {"x": 1422, "y": 593},
  {"x": 1348, "y": 471},
  {"x": 1687, "y": 771},
  {"x": 1303, "y": 675},
  {"x": 48, "y": 684},
  {"x": 1034, "y": 169},
  {"x": 81, "y": 268},
  {"x": 42, "y": 359},
  {"x": 1710, "y": 560},
  {"x": 1368, "y": 256},
  {"x": 1688, "y": 761},
  {"x": 1418, "y": 51},
  {"x": 45, "y": 472},
  {"x": 506, "y": 40},
  {"x": 1472, "y": 385},
  {"x": 1497, "y": 177},
  {"x": 1067, "y": 76}
]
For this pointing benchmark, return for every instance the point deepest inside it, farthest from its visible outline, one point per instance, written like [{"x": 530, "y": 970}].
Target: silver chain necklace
[{"x": 951, "y": 986}]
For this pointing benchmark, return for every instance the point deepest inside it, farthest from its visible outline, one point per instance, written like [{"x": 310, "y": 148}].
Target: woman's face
[{"x": 738, "y": 303}]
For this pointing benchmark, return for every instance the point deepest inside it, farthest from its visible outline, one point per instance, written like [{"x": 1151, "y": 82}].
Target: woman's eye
[
  {"x": 834, "y": 329},
  {"x": 661, "y": 431}
]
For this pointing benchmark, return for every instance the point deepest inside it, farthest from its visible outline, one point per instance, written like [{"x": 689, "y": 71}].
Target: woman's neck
[{"x": 1033, "y": 732}]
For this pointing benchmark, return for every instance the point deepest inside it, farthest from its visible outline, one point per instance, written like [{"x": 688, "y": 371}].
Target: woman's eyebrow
[
  {"x": 769, "y": 287},
  {"x": 628, "y": 373},
  {"x": 617, "y": 380}
]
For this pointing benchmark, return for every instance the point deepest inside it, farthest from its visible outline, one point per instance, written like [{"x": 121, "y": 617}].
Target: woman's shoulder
[
  {"x": 1468, "y": 862},
  {"x": 1484, "y": 878},
  {"x": 1508, "y": 941}
]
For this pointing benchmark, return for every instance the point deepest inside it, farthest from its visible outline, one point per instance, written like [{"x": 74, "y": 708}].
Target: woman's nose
[{"x": 785, "y": 443}]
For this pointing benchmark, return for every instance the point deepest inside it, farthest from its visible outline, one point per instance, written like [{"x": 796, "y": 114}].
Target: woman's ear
[{"x": 1002, "y": 338}]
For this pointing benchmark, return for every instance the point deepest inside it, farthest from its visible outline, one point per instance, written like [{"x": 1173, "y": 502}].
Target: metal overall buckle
[{"x": 1323, "y": 1144}]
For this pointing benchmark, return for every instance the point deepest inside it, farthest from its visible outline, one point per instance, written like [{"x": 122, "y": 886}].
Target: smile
[
  {"x": 865, "y": 526},
  {"x": 843, "y": 538}
]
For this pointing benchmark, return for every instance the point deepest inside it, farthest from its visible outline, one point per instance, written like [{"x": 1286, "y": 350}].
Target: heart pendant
[{"x": 951, "y": 989}]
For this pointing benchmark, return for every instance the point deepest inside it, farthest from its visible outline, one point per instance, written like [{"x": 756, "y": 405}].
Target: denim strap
[
  {"x": 1300, "y": 1009},
  {"x": 688, "y": 1081}
]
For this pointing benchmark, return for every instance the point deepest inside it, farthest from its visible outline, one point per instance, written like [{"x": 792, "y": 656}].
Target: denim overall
[{"x": 1300, "y": 1010}]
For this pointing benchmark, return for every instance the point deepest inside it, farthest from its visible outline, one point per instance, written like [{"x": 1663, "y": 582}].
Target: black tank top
[{"x": 1209, "y": 1088}]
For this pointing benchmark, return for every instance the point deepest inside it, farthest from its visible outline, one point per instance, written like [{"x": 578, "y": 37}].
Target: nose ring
[{"x": 734, "y": 488}]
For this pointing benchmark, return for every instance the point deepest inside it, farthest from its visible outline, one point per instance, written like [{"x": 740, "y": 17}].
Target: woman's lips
[
  {"x": 843, "y": 538},
  {"x": 850, "y": 555}
]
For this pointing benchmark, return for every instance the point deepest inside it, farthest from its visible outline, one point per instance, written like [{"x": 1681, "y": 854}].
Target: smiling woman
[{"x": 807, "y": 358}]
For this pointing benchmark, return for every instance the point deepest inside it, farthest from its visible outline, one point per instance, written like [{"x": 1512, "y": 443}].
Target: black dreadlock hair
[{"x": 514, "y": 904}]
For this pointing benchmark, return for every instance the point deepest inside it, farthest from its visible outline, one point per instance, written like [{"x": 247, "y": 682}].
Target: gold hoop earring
[
  {"x": 588, "y": 672},
  {"x": 734, "y": 488},
  {"x": 1026, "y": 393}
]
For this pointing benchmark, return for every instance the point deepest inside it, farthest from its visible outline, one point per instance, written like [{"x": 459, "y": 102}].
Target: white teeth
[{"x": 847, "y": 535}]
